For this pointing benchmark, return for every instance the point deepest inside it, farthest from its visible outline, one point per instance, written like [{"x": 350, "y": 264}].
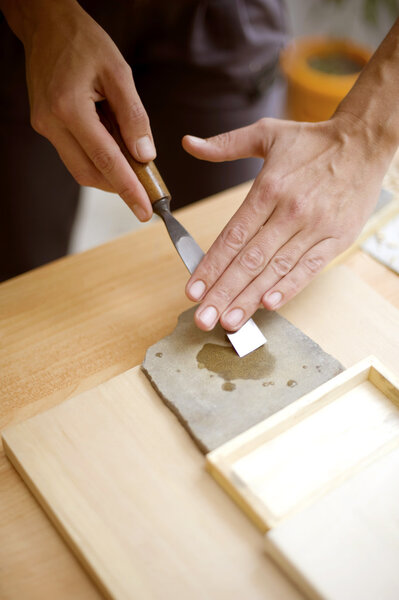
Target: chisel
[{"x": 248, "y": 337}]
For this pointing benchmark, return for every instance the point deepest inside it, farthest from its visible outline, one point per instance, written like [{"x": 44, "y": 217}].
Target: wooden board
[
  {"x": 300, "y": 453},
  {"x": 143, "y": 526},
  {"x": 186, "y": 539},
  {"x": 346, "y": 545}
]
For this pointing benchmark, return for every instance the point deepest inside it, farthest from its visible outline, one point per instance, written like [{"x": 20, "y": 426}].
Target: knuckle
[
  {"x": 345, "y": 236},
  {"x": 234, "y": 236},
  {"x": 137, "y": 113},
  {"x": 271, "y": 186},
  {"x": 281, "y": 265},
  {"x": 296, "y": 207},
  {"x": 83, "y": 179},
  {"x": 313, "y": 264},
  {"x": 103, "y": 160},
  {"x": 253, "y": 259},
  {"x": 88, "y": 179},
  {"x": 38, "y": 120},
  {"x": 120, "y": 71},
  {"x": 222, "y": 295},
  {"x": 128, "y": 196},
  {"x": 224, "y": 140},
  {"x": 260, "y": 204},
  {"x": 264, "y": 139},
  {"x": 293, "y": 286},
  {"x": 263, "y": 124},
  {"x": 210, "y": 270},
  {"x": 60, "y": 105}
]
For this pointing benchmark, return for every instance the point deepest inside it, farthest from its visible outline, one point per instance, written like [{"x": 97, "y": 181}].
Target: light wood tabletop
[{"x": 77, "y": 322}]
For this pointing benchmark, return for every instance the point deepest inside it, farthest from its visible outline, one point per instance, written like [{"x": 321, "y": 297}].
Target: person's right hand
[{"x": 72, "y": 63}]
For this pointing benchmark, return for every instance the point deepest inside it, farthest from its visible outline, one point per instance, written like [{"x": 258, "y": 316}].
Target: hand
[
  {"x": 72, "y": 63},
  {"x": 316, "y": 189}
]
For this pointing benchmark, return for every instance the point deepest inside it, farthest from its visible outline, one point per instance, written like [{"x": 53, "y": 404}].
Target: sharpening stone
[{"x": 217, "y": 395}]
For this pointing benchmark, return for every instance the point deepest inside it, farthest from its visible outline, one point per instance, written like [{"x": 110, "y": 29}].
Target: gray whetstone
[{"x": 212, "y": 415}]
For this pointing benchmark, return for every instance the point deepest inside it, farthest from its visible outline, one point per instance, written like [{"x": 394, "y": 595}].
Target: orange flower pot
[{"x": 313, "y": 94}]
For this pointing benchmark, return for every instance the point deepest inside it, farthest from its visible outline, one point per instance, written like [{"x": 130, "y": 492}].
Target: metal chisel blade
[
  {"x": 249, "y": 337},
  {"x": 188, "y": 249}
]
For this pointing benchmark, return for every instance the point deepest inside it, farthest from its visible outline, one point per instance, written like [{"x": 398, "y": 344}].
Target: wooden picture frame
[{"x": 295, "y": 456}]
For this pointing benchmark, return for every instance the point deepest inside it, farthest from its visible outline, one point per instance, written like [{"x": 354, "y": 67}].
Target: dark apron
[{"x": 200, "y": 67}]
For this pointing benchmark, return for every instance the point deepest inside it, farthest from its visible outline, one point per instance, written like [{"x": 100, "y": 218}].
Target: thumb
[
  {"x": 132, "y": 117},
  {"x": 253, "y": 140}
]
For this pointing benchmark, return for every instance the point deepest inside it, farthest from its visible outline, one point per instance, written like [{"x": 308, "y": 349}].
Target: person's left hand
[{"x": 317, "y": 187}]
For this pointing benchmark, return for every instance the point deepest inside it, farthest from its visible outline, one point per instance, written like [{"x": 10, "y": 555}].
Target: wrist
[
  {"x": 25, "y": 16},
  {"x": 371, "y": 106},
  {"x": 376, "y": 141}
]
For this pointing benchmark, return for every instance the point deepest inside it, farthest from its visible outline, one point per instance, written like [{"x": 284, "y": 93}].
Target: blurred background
[{"x": 103, "y": 216}]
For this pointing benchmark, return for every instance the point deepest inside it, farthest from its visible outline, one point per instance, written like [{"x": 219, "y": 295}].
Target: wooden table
[{"x": 77, "y": 322}]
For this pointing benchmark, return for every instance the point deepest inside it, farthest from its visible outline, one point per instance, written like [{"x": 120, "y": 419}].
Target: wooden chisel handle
[{"x": 147, "y": 173}]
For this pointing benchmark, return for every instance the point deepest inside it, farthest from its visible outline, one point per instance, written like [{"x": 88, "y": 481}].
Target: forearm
[
  {"x": 23, "y": 16},
  {"x": 373, "y": 100},
  {"x": 71, "y": 64}
]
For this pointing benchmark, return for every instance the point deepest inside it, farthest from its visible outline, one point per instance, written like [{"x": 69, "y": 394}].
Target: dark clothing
[
  {"x": 39, "y": 197},
  {"x": 200, "y": 67}
]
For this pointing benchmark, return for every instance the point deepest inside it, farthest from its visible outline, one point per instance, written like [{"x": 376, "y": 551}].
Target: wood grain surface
[{"x": 74, "y": 324}]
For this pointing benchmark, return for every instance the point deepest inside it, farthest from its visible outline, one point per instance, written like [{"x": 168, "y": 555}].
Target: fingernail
[
  {"x": 145, "y": 149},
  {"x": 197, "y": 289},
  {"x": 234, "y": 317},
  {"x": 140, "y": 212},
  {"x": 274, "y": 299},
  {"x": 208, "y": 316},
  {"x": 196, "y": 140}
]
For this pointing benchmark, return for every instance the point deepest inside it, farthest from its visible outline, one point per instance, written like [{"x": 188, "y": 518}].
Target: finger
[
  {"x": 253, "y": 213},
  {"x": 282, "y": 262},
  {"x": 75, "y": 159},
  {"x": 305, "y": 270},
  {"x": 107, "y": 157},
  {"x": 130, "y": 113},
  {"x": 254, "y": 140},
  {"x": 249, "y": 264}
]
